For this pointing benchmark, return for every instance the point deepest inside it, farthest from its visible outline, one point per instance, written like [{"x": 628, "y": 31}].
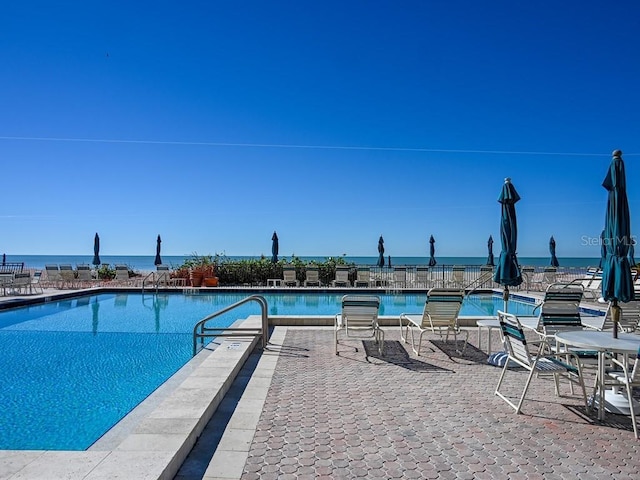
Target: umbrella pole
[
  {"x": 615, "y": 315},
  {"x": 505, "y": 297}
]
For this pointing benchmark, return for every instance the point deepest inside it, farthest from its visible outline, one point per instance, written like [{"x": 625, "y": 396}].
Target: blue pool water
[{"x": 71, "y": 369}]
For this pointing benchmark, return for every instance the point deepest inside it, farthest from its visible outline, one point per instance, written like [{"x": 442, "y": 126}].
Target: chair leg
[
  {"x": 633, "y": 413},
  {"x": 526, "y": 387}
]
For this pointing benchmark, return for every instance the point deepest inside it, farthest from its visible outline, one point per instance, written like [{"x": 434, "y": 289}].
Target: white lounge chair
[
  {"x": 289, "y": 278},
  {"x": 359, "y": 318},
  {"x": 399, "y": 277},
  {"x": 54, "y": 279},
  {"x": 440, "y": 315},
  {"x": 312, "y": 277},
  {"x": 363, "y": 278},
  {"x": 342, "y": 277}
]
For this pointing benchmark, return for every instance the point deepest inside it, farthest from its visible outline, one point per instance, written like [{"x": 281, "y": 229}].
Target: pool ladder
[{"x": 201, "y": 331}]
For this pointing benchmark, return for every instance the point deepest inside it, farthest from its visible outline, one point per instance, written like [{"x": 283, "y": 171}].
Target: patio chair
[
  {"x": 68, "y": 276},
  {"x": 53, "y": 276},
  {"x": 629, "y": 318},
  {"x": 122, "y": 275},
  {"x": 34, "y": 285},
  {"x": 528, "y": 277},
  {"x": 457, "y": 277},
  {"x": 422, "y": 278},
  {"x": 6, "y": 280},
  {"x": 20, "y": 282},
  {"x": 359, "y": 319},
  {"x": 363, "y": 278},
  {"x": 289, "y": 277},
  {"x": 85, "y": 277},
  {"x": 312, "y": 277},
  {"x": 399, "y": 277},
  {"x": 549, "y": 276},
  {"x": 342, "y": 277},
  {"x": 440, "y": 315},
  {"x": 557, "y": 365},
  {"x": 560, "y": 312},
  {"x": 624, "y": 374}
]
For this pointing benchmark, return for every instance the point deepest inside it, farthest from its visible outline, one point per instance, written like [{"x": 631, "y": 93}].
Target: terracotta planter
[
  {"x": 210, "y": 281},
  {"x": 196, "y": 279}
]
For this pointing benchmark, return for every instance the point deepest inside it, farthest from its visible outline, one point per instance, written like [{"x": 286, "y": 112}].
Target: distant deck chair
[
  {"x": 359, "y": 318},
  {"x": 528, "y": 274},
  {"x": 122, "y": 275},
  {"x": 21, "y": 282},
  {"x": 68, "y": 276},
  {"x": 342, "y": 277},
  {"x": 54, "y": 279},
  {"x": 85, "y": 277},
  {"x": 549, "y": 276},
  {"x": 6, "y": 281},
  {"x": 399, "y": 277},
  {"x": 591, "y": 283},
  {"x": 312, "y": 277},
  {"x": 457, "y": 277},
  {"x": 363, "y": 277},
  {"x": 629, "y": 318},
  {"x": 289, "y": 277},
  {"x": 485, "y": 279},
  {"x": 440, "y": 315},
  {"x": 163, "y": 275},
  {"x": 422, "y": 278},
  {"x": 35, "y": 286},
  {"x": 565, "y": 364}
]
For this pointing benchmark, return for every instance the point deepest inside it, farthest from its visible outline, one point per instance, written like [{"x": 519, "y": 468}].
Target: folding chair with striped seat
[
  {"x": 359, "y": 319},
  {"x": 563, "y": 364}
]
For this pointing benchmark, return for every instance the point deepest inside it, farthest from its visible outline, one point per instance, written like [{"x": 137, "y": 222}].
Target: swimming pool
[{"x": 71, "y": 369}]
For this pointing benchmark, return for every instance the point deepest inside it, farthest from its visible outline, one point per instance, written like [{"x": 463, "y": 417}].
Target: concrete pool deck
[{"x": 296, "y": 410}]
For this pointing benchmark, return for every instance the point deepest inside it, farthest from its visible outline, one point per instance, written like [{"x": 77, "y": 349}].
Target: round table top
[{"x": 603, "y": 341}]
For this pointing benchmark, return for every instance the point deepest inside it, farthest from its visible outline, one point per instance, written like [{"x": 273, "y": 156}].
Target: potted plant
[{"x": 199, "y": 268}]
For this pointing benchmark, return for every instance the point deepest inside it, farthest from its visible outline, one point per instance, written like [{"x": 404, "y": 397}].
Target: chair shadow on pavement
[
  {"x": 395, "y": 354},
  {"x": 453, "y": 350}
]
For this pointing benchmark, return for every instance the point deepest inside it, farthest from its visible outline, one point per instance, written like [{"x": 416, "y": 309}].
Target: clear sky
[{"x": 214, "y": 123}]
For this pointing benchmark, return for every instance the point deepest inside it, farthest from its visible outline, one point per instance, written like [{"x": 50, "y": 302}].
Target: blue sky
[{"x": 215, "y": 123}]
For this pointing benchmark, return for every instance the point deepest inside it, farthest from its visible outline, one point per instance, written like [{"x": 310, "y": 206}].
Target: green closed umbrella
[
  {"x": 96, "y": 250},
  {"x": 508, "y": 272},
  {"x": 552, "y": 251},
  {"x": 617, "y": 282},
  {"x": 158, "y": 260},
  {"x": 274, "y": 247},
  {"x": 490, "y": 259},
  {"x": 381, "y": 252},
  {"x": 432, "y": 251}
]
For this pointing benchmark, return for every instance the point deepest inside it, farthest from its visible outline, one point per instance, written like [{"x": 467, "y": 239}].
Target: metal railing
[{"x": 201, "y": 331}]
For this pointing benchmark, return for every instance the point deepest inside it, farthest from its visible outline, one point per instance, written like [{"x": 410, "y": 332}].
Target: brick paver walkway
[{"x": 436, "y": 416}]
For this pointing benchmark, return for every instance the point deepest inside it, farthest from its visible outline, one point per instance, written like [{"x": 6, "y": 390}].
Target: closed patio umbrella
[
  {"x": 158, "y": 260},
  {"x": 432, "y": 251},
  {"x": 274, "y": 247},
  {"x": 617, "y": 282},
  {"x": 96, "y": 250},
  {"x": 508, "y": 272},
  {"x": 552, "y": 251},
  {"x": 381, "y": 252},
  {"x": 490, "y": 259},
  {"x": 603, "y": 250}
]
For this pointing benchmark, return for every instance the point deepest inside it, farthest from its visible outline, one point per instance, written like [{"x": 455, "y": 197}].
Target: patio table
[{"x": 602, "y": 342}]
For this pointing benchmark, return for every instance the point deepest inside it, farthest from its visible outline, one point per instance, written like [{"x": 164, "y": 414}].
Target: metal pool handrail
[{"x": 200, "y": 331}]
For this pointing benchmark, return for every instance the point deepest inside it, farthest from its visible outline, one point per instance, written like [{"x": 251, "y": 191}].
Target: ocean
[{"x": 145, "y": 262}]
